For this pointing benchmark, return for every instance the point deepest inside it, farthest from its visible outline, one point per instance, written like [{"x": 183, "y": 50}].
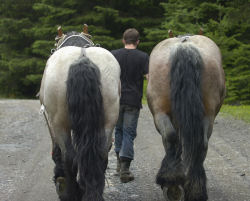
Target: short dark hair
[{"x": 131, "y": 36}]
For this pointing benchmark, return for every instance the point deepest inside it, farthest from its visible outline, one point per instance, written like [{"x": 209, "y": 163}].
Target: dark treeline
[{"x": 28, "y": 29}]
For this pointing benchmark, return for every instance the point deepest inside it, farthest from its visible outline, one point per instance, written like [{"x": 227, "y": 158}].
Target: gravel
[{"x": 26, "y": 167}]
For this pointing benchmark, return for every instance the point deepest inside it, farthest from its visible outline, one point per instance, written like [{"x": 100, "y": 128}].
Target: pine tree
[
  {"x": 18, "y": 69},
  {"x": 28, "y": 30}
]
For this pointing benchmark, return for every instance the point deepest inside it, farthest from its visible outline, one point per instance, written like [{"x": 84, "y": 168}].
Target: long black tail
[
  {"x": 85, "y": 106},
  {"x": 187, "y": 106}
]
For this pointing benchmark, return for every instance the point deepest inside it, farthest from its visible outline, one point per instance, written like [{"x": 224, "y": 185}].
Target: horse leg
[
  {"x": 111, "y": 111},
  {"x": 74, "y": 192},
  {"x": 195, "y": 185},
  {"x": 171, "y": 174},
  {"x": 65, "y": 172},
  {"x": 56, "y": 154},
  {"x": 108, "y": 133},
  {"x": 57, "y": 158}
]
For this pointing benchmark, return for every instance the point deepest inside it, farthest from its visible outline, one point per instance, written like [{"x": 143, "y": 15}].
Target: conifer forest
[{"x": 28, "y": 29}]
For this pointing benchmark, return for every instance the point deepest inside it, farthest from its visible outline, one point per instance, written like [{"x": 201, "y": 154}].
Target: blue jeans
[{"x": 125, "y": 131}]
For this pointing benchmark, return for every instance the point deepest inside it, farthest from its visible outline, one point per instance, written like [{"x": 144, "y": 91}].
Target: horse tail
[
  {"x": 86, "y": 113},
  {"x": 187, "y": 106}
]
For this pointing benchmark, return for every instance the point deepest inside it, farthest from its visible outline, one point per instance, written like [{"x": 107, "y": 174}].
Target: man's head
[{"x": 131, "y": 37}]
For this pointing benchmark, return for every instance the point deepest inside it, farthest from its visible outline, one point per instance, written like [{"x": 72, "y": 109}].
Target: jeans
[{"x": 125, "y": 131}]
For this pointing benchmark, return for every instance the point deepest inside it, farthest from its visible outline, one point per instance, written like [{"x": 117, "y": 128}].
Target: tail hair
[
  {"x": 186, "y": 99},
  {"x": 86, "y": 112}
]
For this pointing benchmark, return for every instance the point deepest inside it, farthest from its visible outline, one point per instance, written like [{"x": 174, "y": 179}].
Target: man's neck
[{"x": 130, "y": 46}]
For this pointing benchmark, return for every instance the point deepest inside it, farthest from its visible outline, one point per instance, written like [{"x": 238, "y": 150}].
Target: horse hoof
[
  {"x": 173, "y": 193},
  {"x": 60, "y": 185}
]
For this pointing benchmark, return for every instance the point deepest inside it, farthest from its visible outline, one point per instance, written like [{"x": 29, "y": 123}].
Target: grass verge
[
  {"x": 144, "y": 98},
  {"x": 241, "y": 112}
]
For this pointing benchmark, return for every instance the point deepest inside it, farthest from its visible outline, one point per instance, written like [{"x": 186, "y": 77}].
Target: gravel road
[{"x": 26, "y": 167}]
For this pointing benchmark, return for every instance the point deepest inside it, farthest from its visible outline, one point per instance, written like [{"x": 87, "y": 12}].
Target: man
[{"x": 134, "y": 65}]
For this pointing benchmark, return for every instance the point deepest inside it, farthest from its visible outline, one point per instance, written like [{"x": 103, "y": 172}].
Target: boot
[
  {"x": 125, "y": 174},
  {"x": 118, "y": 165}
]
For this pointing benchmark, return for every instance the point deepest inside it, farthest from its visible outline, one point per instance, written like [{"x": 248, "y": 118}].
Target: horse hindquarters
[{"x": 85, "y": 106}]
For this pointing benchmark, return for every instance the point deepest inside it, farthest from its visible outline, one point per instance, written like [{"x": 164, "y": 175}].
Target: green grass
[
  {"x": 144, "y": 98},
  {"x": 241, "y": 112}
]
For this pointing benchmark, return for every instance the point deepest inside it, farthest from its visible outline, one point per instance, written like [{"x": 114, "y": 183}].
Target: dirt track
[{"x": 26, "y": 167}]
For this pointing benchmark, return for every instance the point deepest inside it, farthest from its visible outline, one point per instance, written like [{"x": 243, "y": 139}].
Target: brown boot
[
  {"x": 125, "y": 174},
  {"x": 118, "y": 164}
]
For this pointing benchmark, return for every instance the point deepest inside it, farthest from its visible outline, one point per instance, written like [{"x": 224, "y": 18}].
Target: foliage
[{"x": 28, "y": 29}]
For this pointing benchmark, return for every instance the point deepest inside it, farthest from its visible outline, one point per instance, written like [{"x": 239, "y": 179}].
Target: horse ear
[
  {"x": 200, "y": 31},
  {"x": 59, "y": 31},
  {"x": 170, "y": 33},
  {"x": 85, "y": 29}
]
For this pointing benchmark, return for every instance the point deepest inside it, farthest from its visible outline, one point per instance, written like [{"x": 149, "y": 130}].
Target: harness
[{"x": 89, "y": 43}]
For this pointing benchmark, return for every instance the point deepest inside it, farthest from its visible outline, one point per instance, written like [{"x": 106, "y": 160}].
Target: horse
[
  {"x": 185, "y": 91},
  {"x": 79, "y": 95}
]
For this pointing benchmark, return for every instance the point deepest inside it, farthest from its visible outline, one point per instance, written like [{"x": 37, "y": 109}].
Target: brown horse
[{"x": 185, "y": 91}]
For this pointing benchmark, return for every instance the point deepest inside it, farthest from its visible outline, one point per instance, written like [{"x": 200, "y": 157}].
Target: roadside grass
[
  {"x": 144, "y": 98},
  {"x": 241, "y": 112}
]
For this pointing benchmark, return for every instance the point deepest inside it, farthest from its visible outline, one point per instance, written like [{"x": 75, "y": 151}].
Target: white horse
[{"x": 80, "y": 92}]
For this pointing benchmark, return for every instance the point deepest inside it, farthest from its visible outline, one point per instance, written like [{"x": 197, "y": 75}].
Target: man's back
[{"x": 134, "y": 64}]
